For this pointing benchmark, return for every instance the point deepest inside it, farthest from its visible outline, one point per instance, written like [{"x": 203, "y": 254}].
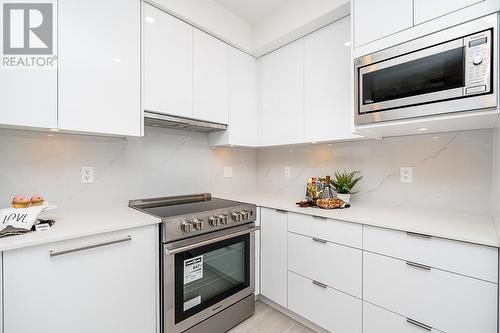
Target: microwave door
[{"x": 433, "y": 74}]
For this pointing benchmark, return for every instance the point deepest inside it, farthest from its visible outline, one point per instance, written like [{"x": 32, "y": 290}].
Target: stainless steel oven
[
  {"x": 453, "y": 70},
  {"x": 207, "y": 274}
]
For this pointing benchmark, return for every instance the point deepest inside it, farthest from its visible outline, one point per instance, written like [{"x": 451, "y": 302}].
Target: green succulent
[{"x": 343, "y": 182}]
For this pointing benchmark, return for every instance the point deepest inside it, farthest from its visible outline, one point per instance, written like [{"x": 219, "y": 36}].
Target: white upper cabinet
[
  {"x": 100, "y": 66},
  {"x": 243, "y": 98},
  {"x": 374, "y": 19},
  {"x": 282, "y": 95},
  {"x": 168, "y": 64},
  {"x": 211, "y": 78},
  {"x": 426, "y": 10},
  {"x": 327, "y": 88}
]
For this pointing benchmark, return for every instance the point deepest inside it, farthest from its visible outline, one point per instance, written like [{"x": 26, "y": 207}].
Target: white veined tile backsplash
[
  {"x": 163, "y": 163},
  {"x": 451, "y": 171}
]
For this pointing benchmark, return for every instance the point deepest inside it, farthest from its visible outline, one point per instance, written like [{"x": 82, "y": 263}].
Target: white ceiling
[{"x": 251, "y": 11}]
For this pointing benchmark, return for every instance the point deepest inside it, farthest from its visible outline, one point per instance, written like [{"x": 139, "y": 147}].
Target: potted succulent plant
[{"x": 343, "y": 182}]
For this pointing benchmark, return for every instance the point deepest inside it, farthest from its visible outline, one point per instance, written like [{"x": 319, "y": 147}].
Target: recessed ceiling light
[
  {"x": 150, "y": 19},
  {"x": 422, "y": 129},
  {"x": 348, "y": 43}
]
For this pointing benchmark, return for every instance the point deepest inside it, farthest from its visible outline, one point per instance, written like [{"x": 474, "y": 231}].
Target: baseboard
[{"x": 291, "y": 314}]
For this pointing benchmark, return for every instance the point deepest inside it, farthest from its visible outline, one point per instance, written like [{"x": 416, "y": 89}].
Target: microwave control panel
[{"x": 478, "y": 48}]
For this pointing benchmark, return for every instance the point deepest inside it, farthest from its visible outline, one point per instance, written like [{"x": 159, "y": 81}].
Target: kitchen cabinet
[
  {"x": 109, "y": 286},
  {"x": 282, "y": 95},
  {"x": 442, "y": 300},
  {"x": 210, "y": 78},
  {"x": 274, "y": 265},
  {"x": 327, "y": 89},
  {"x": 168, "y": 63},
  {"x": 426, "y": 10},
  {"x": 327, "y": 307},
  {"x": 243, "y": 103},
  {"x": 99, "y": 81},
  {"x": 375, "y": 19}
]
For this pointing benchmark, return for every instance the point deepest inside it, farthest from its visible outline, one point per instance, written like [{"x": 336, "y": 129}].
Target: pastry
[
  {"x": 37, "y": 200},
  {"x": 20, "y": 201},
  {"x": 330, "y": 203}
]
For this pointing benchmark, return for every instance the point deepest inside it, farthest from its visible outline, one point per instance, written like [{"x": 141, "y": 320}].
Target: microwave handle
[{"x": 182, "y": 248}]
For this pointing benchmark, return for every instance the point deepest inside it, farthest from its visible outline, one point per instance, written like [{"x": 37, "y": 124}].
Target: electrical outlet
[
  {"x": 288, "y": 172},
  {"x": 228, "y": 172},
  {"x": 406, "y": 175},
  {"x": 87, "y": 175}
]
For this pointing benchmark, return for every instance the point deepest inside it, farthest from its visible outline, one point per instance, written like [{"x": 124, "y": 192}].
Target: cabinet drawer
[
  {"x": 459, "y": 257},
  {"x": 335, "y": 265},
  {"x": 378, "y": 320},
  {"x": 331, "y": 309},
  {"x": 345, "y": 233},
  {"x": 446, "y": 301}
]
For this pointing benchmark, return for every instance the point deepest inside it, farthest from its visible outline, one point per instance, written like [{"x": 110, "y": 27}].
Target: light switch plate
[
  {"x": 406, "y": 175},
  {"x": 288, "y": 172},
  {"x": 228, "y": 172},
  {"x": 87, "y": 175}
]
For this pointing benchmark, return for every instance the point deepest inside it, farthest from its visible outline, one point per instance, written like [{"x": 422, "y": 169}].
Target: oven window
[
  {"x": 439, "y": 72},
  {"x": 206, "y": 275}
]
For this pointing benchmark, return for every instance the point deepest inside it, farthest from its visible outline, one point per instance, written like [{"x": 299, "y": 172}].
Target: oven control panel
[{"x": 192, "y": 225}]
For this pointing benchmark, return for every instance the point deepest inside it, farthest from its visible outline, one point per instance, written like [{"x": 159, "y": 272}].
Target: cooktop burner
[{"x": 190, "y": 208}]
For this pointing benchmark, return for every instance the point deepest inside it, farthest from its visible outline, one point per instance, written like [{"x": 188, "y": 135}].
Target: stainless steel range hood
[{"x": 161, "y": 120}]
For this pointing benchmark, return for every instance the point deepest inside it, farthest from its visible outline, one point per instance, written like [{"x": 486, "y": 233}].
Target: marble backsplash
[
  {"x": 451, "y": 171},
  {"x": 164, "y": 162}
]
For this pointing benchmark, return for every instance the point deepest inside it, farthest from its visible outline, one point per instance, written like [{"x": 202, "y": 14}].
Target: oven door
[{"x": 206, "y": 274}]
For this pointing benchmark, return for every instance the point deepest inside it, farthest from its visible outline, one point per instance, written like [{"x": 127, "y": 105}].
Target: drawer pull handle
[
  {"x": 319, "y": 217},
  {"x": 419, "y": 266},
  {"x": 281, "y": 211},
  {"x": 319, "y": 240},
  {"x": 415, "y": 234},
  {"x": 88, "y": 247},
  {"x": 419, "y": 324},
  {"x": 319, "y": 284}
]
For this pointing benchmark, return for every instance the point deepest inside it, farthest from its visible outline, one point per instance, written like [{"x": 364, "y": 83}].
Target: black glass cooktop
[{"x": 164, "y": 211}]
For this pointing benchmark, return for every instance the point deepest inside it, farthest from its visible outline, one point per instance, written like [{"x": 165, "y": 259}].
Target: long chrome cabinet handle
[
  {"x": 319, "y": 284},
  {"x": 319, "y": 240},
  {"x": 281, "y": 211},
  {"x": 415, "y": 234},
  {"x": 88, "y": 247},
  {"x": 419, "y": 324},
  {"x": 419, "y": 266}
]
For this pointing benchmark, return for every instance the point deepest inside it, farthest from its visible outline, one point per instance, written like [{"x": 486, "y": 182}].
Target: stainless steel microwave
[{"x": 454, "y": 70}]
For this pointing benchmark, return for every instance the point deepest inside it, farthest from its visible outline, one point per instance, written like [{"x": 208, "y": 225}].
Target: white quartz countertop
[
  {"x": 467, "y": 228},
  {"x": 70, "y": 225}
]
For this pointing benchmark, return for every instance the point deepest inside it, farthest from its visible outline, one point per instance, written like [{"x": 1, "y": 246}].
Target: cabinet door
[
  {"x": 327, "y": 73},
  {"x": 374, "y": 19},
  {"x": 99, "y": 66},
  {"x": 168, "y": 64},
  {"x": 211, "y": 78},
  {"x": 110, "y": 288},
  {"x": 283, "y": 95},
  {"x": 274, "y": 255},
  {"x": 426, "y": 10}
]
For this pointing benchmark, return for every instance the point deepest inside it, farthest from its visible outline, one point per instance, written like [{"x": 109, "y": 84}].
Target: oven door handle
[{"x": 171, "y": 250}]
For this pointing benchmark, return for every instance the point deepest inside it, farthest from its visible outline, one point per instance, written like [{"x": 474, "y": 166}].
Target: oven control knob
[
  {"x": 223, "y": 219},
  {"x": 245, "y": 214},
  {"x": 198, "y": 224},
  {"x": 236, "y": 217},
  {"x": 477, "y": 60},
  {"x": 187, "y": 227},
  {"x": 214, "y": 221}
]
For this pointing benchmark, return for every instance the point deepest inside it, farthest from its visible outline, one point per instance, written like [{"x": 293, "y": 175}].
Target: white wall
[
  {"x": 294, "y": 20},
  {"x": 213, "y": 18},
  {"x": 163, "y": 163},
  {"x": 451, "y": 173}
]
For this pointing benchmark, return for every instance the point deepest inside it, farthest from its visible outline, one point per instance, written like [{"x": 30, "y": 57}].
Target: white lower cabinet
[
  {"x": 274, "y": 265},
  {"x": 257, "y": 254},
  {"x": 378, "y": 320},
  {"x": 99, "y": 284},
  {"x": 335, "y": 265},
  {"x": 446, "y": 301},
  {"x": 329, "y": 308}
]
